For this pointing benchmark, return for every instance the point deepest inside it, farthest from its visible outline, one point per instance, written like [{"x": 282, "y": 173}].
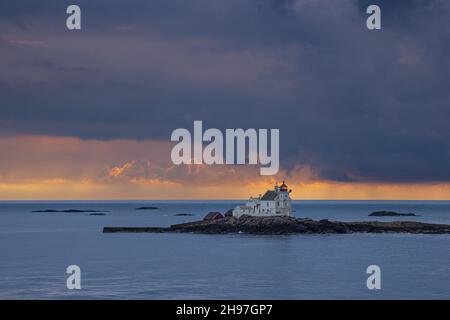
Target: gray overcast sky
[{"x": 355, "y": 104}]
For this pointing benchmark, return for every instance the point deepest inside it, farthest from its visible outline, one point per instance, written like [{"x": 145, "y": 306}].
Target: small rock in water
[
  {"x": 183, "y": 214},
  {"x": 69, "y": 211},
  {"x": 147, "y": 208},
  {"x": 391, "y": 214}
]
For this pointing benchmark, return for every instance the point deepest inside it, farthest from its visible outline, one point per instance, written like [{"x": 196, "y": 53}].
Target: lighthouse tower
[{"x": 283, "y": 199}]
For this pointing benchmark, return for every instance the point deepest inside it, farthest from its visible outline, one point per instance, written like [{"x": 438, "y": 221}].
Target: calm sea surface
[{"x": 36, "y": 248}]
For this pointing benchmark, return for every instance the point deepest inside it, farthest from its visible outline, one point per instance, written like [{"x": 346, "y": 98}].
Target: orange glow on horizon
[
  {"x": 60, "y": 189},
  {"x": 68, "y": 168}
]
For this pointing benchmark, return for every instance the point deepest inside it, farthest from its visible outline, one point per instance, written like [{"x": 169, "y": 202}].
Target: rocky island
[
  {"x": 277, "y": 225},
  {"x": 271, "y": 214}
]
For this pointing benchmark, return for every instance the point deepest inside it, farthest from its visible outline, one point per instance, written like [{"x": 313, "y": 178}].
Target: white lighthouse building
[{"x": 275, "y": 202}]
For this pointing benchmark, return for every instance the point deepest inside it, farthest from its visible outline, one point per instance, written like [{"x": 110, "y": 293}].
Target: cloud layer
[{"x": 355, "y": 105}]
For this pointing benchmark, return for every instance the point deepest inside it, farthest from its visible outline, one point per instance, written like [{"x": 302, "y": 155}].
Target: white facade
[{"x": 275, "y": 202}]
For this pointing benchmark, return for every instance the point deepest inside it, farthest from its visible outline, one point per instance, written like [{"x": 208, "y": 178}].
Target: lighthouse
[{"x": 276, "y": 202}]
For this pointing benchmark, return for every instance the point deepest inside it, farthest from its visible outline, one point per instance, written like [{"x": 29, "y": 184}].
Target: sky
[{"x": 88, "y": 114}]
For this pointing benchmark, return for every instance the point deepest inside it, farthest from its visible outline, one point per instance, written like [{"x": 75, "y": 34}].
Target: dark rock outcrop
[
  {"x": 183, "y": 214},
  {"x": 229, "y": 213},
  {"x": 391, "y": 214},
  {"x": 289, "y": 225},
  {"x": 213, "y": 216},
  {"x": 147, "y": 208}
]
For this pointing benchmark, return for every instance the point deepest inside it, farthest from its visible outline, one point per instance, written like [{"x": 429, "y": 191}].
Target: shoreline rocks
[
  {"x": 288, "y": 225},
  {"x": 229, "y": 213},
  {"x": 213, "y": 215}
]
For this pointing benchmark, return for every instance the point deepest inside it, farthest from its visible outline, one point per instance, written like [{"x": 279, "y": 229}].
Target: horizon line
[{"x": 149, "y": 200}]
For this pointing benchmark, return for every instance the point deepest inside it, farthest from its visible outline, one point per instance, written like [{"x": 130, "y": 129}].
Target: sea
[{"x": 37, "y": 248}]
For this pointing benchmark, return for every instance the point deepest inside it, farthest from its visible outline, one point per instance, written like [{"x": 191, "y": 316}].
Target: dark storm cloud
[{"x": 356, "y": 105}]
